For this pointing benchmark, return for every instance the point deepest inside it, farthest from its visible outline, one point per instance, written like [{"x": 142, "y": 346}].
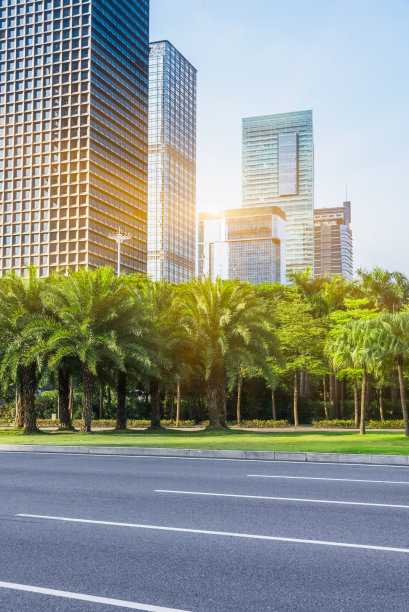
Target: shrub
[
  {"x": 349, "y": 424},
  {"x": 256, "y": 423},
  {"x": 334, "y": 424},
  {"x": 391, "y": 424}
]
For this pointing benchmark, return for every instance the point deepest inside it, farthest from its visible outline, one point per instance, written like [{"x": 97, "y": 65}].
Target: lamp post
[{"x": 119, "y": 238}]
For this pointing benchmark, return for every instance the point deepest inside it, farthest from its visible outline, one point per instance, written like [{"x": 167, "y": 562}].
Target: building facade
[
  {"x": 73, "y": 132},
  {"x": 278, "y": 170},
  {"x": 333, "y": 252},
  {"x": 172, "y": 165},
  {"x": 244, "y": 243}
]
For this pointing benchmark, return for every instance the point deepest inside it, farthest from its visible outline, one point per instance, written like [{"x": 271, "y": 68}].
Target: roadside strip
[
  {"x": 289, "y": 499},
  {"x": 396, "y": 460},
  {"x": 394, "y": 482},
  {"x": 119, "y": 603},
  {"x": 247, "y": 536}
]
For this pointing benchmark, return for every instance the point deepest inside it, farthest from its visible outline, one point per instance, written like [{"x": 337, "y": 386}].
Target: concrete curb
[{"x": 210, "y": 454}]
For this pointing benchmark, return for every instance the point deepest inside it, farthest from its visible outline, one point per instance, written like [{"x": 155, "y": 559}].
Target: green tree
[
  {"x": 21, "y": 301},
  {"x": 229, "y": 325},
  {"x": 301, "y": 338},
  {"x": 388, "y": 291},
  {"x": 85, "y": 310},
  {"x": 393, "y": 343}
]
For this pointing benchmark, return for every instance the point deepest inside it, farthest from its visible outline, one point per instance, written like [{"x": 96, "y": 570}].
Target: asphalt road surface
[{"x": 99, "y": 533}]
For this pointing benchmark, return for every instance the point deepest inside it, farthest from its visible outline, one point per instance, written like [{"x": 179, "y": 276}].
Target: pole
[
  {"x": 119, "y": 258},
  {"x": 119, "y": 238}
]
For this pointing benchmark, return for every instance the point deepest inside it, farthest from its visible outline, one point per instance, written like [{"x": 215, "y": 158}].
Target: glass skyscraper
[
  {"x": 244, "y": 243},
  {"x": 172, "y": 165},
  {"x": 73, "y": 132},
  {"x": 278, "y": 169}
]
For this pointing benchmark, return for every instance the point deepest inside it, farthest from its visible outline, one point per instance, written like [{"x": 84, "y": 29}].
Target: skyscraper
[
  {"x": 172, "y": 165},
  {"x": 244, "y": 243},
  {"x": 333, "y": 241},
  {"x": 73, "y": 132},
  {"x": 278, "y": 169}
]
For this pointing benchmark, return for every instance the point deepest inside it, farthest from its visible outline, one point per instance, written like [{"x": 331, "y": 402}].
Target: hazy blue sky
[{"x": 347, "y": 60}]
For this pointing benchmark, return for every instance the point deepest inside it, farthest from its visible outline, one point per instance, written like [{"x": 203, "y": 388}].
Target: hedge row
[
  {"x": 100, "y": 423},
  {"x": 349, "y": 424},
  {"x": 256, "y": 423}
]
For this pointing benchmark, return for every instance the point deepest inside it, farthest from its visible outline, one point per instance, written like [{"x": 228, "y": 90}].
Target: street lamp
[{"x": 119, "y": 238}]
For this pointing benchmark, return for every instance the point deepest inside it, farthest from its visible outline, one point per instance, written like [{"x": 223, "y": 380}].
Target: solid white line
[
  {"x": 331, "y": 479},
  {"x": 119, "y": 603},
  {"x": 269, "y": 461},
  {"x": 291, "y": 499},
  {"x": 248, "y": 536}
]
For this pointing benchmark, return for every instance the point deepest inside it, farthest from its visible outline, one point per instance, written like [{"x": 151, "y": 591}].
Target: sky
[{"x": 347, "y": 60}]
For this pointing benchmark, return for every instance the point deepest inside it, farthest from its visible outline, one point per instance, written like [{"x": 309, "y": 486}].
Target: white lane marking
[
  {"x": 119, "y": 603},
  {"x": 291, "y": 499},
  {"x": 269, "y": 461},
  {"x": 404, "y": 482},
  {"x": 248, "y": 536}
]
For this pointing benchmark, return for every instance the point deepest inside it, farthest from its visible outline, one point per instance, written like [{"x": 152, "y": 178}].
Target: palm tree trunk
[
  {"x": 88, "y": 379},
  {"x": 332, "y": 396},
  {"x": 296, "y": 423},
  {"x": 212, "y": 397},
  {"x": 121, "y": 398},
  {"x": 109, "y": 400},
  {"x": 64, "y": 398},
  {"x": 238, "y": 406},
  {"x": 343, "y": 392},
  {"x": 155, "y": 404},
  {"x": 363, "y": 402},
  {"x": 71, "y": 408},
  {"x": 19, "y": 421},
  {"x": 273, "y": 404},
  {"x": 356, "y": 404},
  {"x": 221, "y": 402},
  {"x": 101, "y": 402},
  {"x": 324, "y": 382},
  {"x": 403, "y": 396},
  {"x": 178, "y": 404},
  {"x": 27, "y": 392},
  {"x": 381, "y": 405}
]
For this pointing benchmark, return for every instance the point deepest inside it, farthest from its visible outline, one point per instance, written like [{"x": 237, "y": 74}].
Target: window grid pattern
[
  {"x": 172, "y": 165},
  {"x": 245, "y": 243},
  {"x": 286, "y": 138},
  {"x": 333, "y": 246},
  {"x": 45, "y": 128}
]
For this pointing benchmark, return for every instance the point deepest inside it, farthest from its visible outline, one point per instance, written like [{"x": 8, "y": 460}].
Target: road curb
[{"x": 211, "y": 454}]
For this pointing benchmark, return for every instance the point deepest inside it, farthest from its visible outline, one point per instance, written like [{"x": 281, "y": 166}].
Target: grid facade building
[
  {"x": 278, "y": 169},
  {"x": 333, "y": 252},
  {"x": 172, "y": 165},
  {"x": 73, "y": 132},
  {"x": 243, "y": 243}
]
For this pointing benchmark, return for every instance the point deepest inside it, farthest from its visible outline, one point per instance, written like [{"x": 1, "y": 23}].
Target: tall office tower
[
  {"x": 278, "y": 169},
  {"x": 244, "y": 243},
  {"x": 172, "y": 165},
  {"x": 333, "y": 241},
  {"x": 73, "y": 132}
]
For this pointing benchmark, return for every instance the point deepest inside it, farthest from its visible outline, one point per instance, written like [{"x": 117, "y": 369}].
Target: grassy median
[{"x": 391, "y": 443}]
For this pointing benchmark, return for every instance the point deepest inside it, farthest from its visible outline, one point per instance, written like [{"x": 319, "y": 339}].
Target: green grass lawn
[{"x": 391, "y": 443}]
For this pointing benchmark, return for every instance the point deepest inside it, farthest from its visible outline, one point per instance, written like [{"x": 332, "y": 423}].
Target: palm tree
[
  {"x": 228, "y": 323},
  {"x": 355, "y": 347},
  {"x": 22, "y": 299},
  {"x": 162, "y": 336},
  {"x": 394, "y": 344},
  {"x": 389, "y": 291},
  {"x": 85, "y": 308}
]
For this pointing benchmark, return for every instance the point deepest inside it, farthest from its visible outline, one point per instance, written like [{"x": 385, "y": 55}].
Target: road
[{"x": 201, "y": 535}]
